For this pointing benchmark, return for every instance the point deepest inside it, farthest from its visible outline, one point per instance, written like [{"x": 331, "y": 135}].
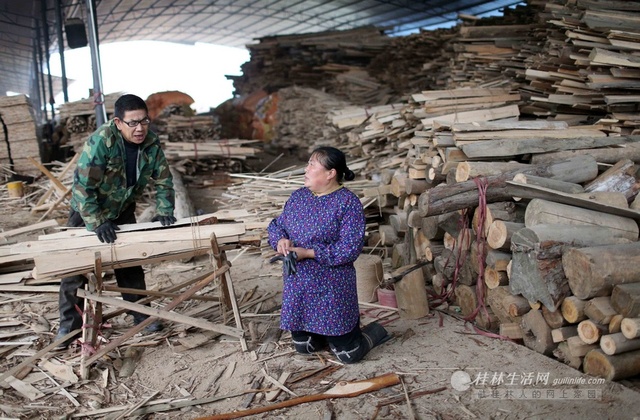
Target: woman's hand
[
  {"x": 284, "y": 246},
  {"x": 303, "y": 253}
]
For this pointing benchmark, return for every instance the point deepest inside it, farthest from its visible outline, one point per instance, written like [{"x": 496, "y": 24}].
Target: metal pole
[
  {"x": 35, "y": 82},
  {"x": 44, "y": 92},
  {"x": 65, "y": 90},
  {"x": 45, "y": 29},
  {"x": 98, "y": 95}
]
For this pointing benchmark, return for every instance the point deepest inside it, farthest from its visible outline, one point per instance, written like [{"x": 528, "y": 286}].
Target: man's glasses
[{"x": 134, "y": 123}]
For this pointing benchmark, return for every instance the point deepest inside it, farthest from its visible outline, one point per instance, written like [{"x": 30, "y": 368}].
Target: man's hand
[
  {"x": 107, "y": 232},
  {"x": 165, "y": 220}
]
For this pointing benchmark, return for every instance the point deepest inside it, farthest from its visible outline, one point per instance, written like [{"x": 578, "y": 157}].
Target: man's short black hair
[{"x": 129, "y": 102}]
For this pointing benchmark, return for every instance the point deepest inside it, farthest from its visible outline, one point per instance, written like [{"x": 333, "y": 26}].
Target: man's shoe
[
  {"x": 65, "y": 344},
  {"x": 155, "y": 326}
]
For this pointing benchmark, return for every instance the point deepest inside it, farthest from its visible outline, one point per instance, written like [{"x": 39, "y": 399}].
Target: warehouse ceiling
[{"x": 29, "y": 28}]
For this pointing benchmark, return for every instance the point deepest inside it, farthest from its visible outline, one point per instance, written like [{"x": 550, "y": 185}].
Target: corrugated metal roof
[{"x": 230, "y": 23}]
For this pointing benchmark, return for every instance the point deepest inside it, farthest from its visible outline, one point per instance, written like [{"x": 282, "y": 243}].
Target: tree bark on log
[
  {"x": 603, "y": 155},
  {"x": 473, "y": 169},
  {"x": 554, "y": 184},
  {"x": 617, "y": 343},
  {"x": 494, "y": 278},
  {"x": 411, "y": 294},
  {"x": 517, "y": 306},
  {"x": 554, "y": 318},
  {"x": 563, "y": 333},
  {"x": 618, "y": 178},
  {"x": 507, "y": 211},
  {"x": 615, "y": 324},
  {"x": 537, "y": 334},
  {"x": 625, "y": 299},
  {"x": 612, "y": 368},
  {"x": 563, "y": 354},
  {"x": 599, "y": 310},
  {"x": 458, "y": 196},
  {"x": 543, "y": 212},
  {"x": 595, "y": 271},
  {"x": 498, "y": 300},
  {"x": 579, "y": 348}
]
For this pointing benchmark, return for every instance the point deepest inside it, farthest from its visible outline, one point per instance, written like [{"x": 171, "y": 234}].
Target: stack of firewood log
[
  {"x": 78, "y": 120},
  {"x": 21, "y": 140}
]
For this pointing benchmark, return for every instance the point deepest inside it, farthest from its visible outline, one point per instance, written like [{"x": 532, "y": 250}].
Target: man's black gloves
[
  {"x": 165, "y": 220},
  {"x": 107, "y": 232},
  {"x": 288, "y": 262}
]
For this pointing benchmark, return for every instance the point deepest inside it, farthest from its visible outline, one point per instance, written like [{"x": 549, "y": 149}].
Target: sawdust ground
[{"x": 428, "y": 353}]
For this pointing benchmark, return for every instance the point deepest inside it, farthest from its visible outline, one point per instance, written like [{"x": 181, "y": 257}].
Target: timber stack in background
[
  {"x": 515, "y": 175},
  {"x": 20, "y": 140}
]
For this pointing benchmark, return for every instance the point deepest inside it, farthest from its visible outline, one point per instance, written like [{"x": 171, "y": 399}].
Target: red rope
[
  {"x": 481, "y": 243},
  {"x": 86, "y": 348}
]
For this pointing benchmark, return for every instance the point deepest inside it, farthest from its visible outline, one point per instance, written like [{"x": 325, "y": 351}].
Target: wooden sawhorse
[{"x": 93, "y": 307}]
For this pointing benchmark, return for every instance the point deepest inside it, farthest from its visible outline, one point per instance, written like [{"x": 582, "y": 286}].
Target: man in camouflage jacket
[{"x": 117, "y": 163}]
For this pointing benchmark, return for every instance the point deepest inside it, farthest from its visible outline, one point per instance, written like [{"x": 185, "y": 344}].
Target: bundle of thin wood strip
[{"x": 22, "y": 140}]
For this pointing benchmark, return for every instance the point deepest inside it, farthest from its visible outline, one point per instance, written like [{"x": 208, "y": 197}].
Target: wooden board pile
[
  {"x": 78, "y": 121},
  {"x": 310, "y": 60},
  {"x": 589, "y": 66},
  {"x": 22, "y": 141},
  {"x": 179, "y": 123},
  {"x": 415, "y": 62},
  {"x": 302, "y": 117}
]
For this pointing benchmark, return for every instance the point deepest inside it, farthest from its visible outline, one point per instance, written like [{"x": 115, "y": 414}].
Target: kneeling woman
[{"x": 320, "y": 234}]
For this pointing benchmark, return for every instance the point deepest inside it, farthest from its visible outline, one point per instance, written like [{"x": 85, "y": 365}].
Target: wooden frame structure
[{"x": 94, "y": 300}]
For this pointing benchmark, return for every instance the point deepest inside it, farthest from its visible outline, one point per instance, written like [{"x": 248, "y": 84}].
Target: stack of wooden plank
[
  {"x": 589, "y": 67},
  {"x": 415, "y": 62},
  {"x": 187, "y": 128},
  {"x": 73, "y": 251},
  {"x": 22, "y": 142},
  {"x": 302, "y": 117},
  {"x": 310, "y": 60},
  {"x": 213, "y": 149}
]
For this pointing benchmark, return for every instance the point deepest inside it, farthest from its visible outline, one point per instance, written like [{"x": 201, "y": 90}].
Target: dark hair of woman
[{"x": 332, "y": 158}]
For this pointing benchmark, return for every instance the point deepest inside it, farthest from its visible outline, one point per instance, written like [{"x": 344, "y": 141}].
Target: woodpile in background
[
  {"x": 78, "y": 121},
  {"x": 21, "y": 141},
  {"x": 313, "y": 60}
]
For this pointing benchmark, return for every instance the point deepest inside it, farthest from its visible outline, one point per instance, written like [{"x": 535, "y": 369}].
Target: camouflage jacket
[{"x": 100, "y": 190}]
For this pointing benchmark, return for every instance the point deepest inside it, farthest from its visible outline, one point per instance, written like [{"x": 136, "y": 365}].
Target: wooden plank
[
  {"x": 164, "y": 314},
  {"x": 188, "y": 233},
  {"x": 471, "y": 116},
  {"x": 509, "y": 147},
  {"x": 231, "y": 214},
  {"x": 509, "y": 125},
  {"x": 535, "y": 191},
  {"x": 29, "y": 228}
]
